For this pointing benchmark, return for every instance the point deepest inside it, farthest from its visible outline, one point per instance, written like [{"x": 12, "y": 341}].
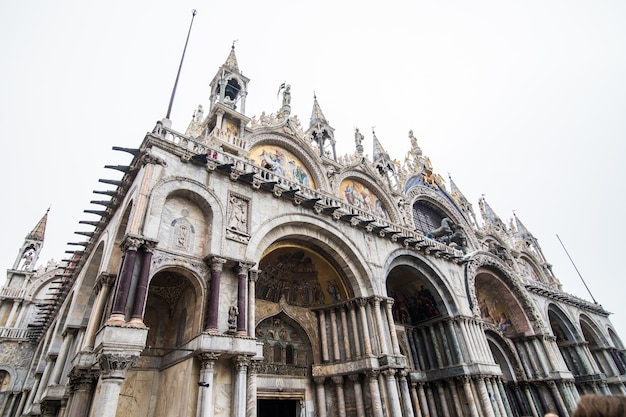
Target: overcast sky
[{"x": 523, "y": 102}]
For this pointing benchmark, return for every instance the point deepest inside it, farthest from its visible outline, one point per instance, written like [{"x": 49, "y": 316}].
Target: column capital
[
  {"x": 361, "y": 302},
  {"x": 389, "y": 372},
  {"x": 389, "y": 302},
  {"x": 149, "y": 245},
  {"x": 319, "y": 380},
  {"x": 131, "y": 242},
  {"x": 338, "y": 380},
  {"x": 354, "y": 378},
  {"x": 242, "y": 268},
  {"x": 208, "y": 359},
  {"x": 241, "y": 363},
  {"x": 81, "y": 379},
  {"x": 105, "y": 279},
  {"x": 254, "y": 275},
  {"x": 115, "y": 364},
  {"x": 216, "y": 263},
  {"x": 372, "y": 373}
]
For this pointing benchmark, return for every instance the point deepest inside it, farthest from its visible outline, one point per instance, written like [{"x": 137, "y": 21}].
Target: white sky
[{"x": 521, "y": 101}]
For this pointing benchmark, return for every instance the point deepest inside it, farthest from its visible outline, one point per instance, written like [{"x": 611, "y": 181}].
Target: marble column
[
  {"x": 442, "y": 399},
  {"x": 253, "y": 277},
  {"x": 380, "y": 328},
  {"x": 492, "y": 398},
  {"x": 437, "y": 348},
  {"x": 407, "y": 407},
  {"x": 531, "y": 401},
  {"x": 323, "y": 336},
  {"x": 458, "y": 353},
  {"x": 392, "y": 392},
  {"x": 341, "y": 401},
  {"x": 440, "y": 328},
  {"x": 358, "y": 394},
  {"x": 504, "y": 397},
  {"x": 377, "y": 406},
  {"x": 242, "y": 284},
  {"x": 239, "y": 390},
  {"x": 49, "y": 409},
  {"x": 430, "y": 398},
  {"x": 367, "y": 344},
  {"x": 205, "y": 384},
  {"x": 458, "y": 407},
  {"x": 81, "y": 386},
  {"x": 498, "y": 397},
  {"x": 213, "y": 307},
  {"x": 114, "y": 366},
  {"x": 415, "y": 400},
  {"x": 321, "y": 396},
  {"x": 422, "y": 399},
  {"x": 392, "y": 326},
  {"x": 118, "y": 310},
  {"x": 469, "y": 396},
  {"x": 344, "y": 329},
  {"x": 334, "y": 335},
  {"x": 103, "y": 284},
  {"x": 484, "y": 397},
  {"x": 355, "y": 329},
  {"x": 251, "y": 399},
  {"x": 55, "y": 376},
  {"x": 136, "y": 317}
]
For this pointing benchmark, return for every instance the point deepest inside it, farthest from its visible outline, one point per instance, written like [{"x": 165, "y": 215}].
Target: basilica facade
[{"x": 245, "y": 269}]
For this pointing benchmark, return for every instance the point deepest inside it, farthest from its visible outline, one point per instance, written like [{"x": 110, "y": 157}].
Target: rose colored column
[
  {"x": 214, "y": 297},
  {"x": 321, "y": 396},
  {"x": 358, "y": 394},
  {"x": 142, "y": 287},
  {"x": 341, "y": 401},
  {"x": 102, "y": 289},
  {"x": 118, "y": 313},
  {"x": 242, "y": 281}
]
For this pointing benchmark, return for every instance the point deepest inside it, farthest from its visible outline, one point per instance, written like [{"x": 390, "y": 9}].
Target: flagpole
[
  {"x": 579, "y": 274},
  {"x": 169, "y": 108}
]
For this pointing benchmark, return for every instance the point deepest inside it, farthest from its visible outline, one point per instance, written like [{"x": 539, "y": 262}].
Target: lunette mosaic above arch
[
  {"x": 283, "y": 163},
  {"x": 359, "y": 195}
]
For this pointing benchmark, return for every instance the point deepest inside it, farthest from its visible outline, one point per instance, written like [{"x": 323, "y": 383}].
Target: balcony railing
[
  {"x": 17, "y": 334},
  {"x": 12, "y": 292}
]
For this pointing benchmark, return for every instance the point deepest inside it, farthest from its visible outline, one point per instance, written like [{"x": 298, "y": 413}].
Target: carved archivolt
[
  {"x": 487, "y": 260},
  {"x": 161, "y": 260}
]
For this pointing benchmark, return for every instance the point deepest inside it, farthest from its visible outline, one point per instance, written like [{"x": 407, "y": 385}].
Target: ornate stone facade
[{"x": 245, "y": 269}]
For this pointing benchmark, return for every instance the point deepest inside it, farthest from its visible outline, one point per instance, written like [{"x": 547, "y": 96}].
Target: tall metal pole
[
  {"x": 581, "y": 277},
  {"x": 169, "y": 108}
]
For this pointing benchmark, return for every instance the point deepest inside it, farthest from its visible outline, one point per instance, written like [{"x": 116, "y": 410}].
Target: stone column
[
  {"x": 323, "y": 337},
  {"x": 81, "y": 385},
  {"x": 13, "y": 313},
  {"x": 503, "y": 396},
  {"x": 253, "y": 368},
  {"x": 358, "y": 394},
  {"x": 334, "y": 335},
  {"x": 469, "y": 342},
  {"x": 407, "y": 407},
  {"x": 242, "y": 280},
  {"x": 118, "y": 311},
  {"x": 205, "y": 384},
  {"x": 469, "y": 396},
  {"x": 392, "y": 326},
  {"x": 341, "y": 401},
  {"x": 55, "y": 376},
  {"x": 239, "y": 390},
  {"x": 562, "y": 408},
  {"x": 415, "y": 400},
  {"x": 392, "y": 392},
  {"x": 321, "y": 396},
  {"x": 458, "y": 353},
  {"x": 442, "y": 399},
  {"x": 344, "y": 328},
  {"x": 355, "y": 329},
  {"x": 253, "y": 277},
  {"x": 367, "y": 344},
  {"x": 531, "y": 401},
  {"x": 139, "y": 303},
  {"x": 423, "y": 401},
  {"x": 496, "y": 394},
  {"x": 213, "y": 307},
  {"x": 382, "y": 340},
  {"x": 377, "y": 406},
  {"x": 430, "y": 398},
  {"x": 103, "y": 284},
  {"x": 484, "y": 397},
  {"x": 437, "y": 348},
  {"x": 458, "y": 407},
  {"x": 114, "y": 366},
  {"x": 441, "y": 329},
  {"x": 423, "y": 335}
]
